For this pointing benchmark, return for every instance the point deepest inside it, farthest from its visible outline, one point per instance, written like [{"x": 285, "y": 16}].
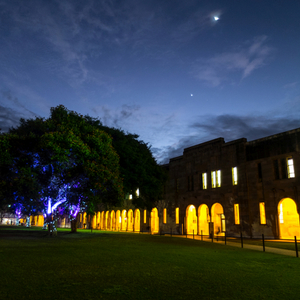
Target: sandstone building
[{"x": 216, "y": 187}]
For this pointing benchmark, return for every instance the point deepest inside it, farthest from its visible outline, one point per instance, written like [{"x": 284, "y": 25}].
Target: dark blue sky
[{"x": 165, "y": 70}]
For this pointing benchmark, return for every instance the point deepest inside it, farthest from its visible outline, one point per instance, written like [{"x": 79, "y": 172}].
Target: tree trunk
[
  {"x": 74, "y": 225},
  {"x": 50, "y": 224}
]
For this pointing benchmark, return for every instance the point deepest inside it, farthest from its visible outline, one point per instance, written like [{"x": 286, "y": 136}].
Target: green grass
[{"x": 104, "y": 265}]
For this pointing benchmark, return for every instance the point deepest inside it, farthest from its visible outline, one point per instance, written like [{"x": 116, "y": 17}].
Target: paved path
[{"x": 246, "y": 246}]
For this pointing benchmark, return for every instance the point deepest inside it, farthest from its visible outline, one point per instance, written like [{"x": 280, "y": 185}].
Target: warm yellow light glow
[
  {"x": 218, "y": 218},
  {"x": 124, "y": 220},
  {"x": 130, "y": 197},
  {"x": 177, "y": 215},
  {"x": 165, "y": 216},
  {"x": 137, "y": 219},
  {"x": 145, "y": 216},
  {"x": 218, "y": 178},
  {"x": 234, "y": 176},
  {"x": 191, "y": 220},
  {"x": 204, "y": 181},
  {"x": 236, "y": 214},
  {"x": 262, "y": 212},
  {"x": 288, "y": 219},
  {"x": 203, "y": 219},
  {"x": 130, "y": 220},
  {"x": 213, "y": 179},
  {"x": 138, "y": 192},
  {"x": 154, "y": 221},
  {"x": 290, "y": 167}
]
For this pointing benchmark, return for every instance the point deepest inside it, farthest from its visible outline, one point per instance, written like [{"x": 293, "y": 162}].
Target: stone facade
[{"x": 251, "y": 204}]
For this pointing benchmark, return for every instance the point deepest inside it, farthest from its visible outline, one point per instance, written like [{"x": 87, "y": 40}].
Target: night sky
[{"x": 167, "y": 70}]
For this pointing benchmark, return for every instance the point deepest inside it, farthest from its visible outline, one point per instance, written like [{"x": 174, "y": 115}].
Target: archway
[
  {"x": 191, "y": 220},
  {"x": 102, "y": 220},
  {"x": 203, "y": 219},
  {"x": 118, "y": 220},
  {"x": 154, "y": 221},
  {"x": 218, "y": 219},
  {"x": 130, "y": 220},
  {"x": 98, "y": 220},
  {"x": 137, "y": 220},
  {"x": 288, "y": 218},
  {"x": 107, "y": 220},
  {"x": 113, "y": 220},
  {"x": 124, "y": 220},
  {"x": 94, "y": 221}
]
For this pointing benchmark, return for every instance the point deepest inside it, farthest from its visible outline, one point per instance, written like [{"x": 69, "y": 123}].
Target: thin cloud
[
  {"x": 244, "y": 60},
  {"x": 230, "y": 127}
]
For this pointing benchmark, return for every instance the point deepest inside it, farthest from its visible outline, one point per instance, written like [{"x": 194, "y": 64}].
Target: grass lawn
[{"x": 104, "y": 265}]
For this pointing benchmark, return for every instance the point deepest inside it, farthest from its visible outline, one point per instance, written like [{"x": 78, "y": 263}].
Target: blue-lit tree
[{"x": 60, "y": 161}]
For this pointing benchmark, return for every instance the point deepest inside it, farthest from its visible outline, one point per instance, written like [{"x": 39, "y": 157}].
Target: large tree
[
  {"x": 138, "y": 167},
  {"x": 60, "y": 161}
]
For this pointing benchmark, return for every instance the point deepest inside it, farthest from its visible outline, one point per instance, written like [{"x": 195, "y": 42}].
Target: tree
[
  {"x": 138, "y": 168},
  {"x": 60, "y": 161}
]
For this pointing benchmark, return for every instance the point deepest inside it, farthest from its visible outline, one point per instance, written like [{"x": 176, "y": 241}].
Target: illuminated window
[
  {"x": 177, "y": 215},
  {"x": 234, "y": 176},
  {"x": 130, "y": 197},
  {"x": 165, "y": 216},
  {"x": 236, "y": 214},
  {"x": 262, "y": 212},
  {"x": 223, "y": 223},
  {"x": 138, "y": 192},
  {"x": 204, "y": 181},
  {"x": 290, "y": 168},
  {"x": 216, "y": 179},
  {"x": 145, "y": 216}
]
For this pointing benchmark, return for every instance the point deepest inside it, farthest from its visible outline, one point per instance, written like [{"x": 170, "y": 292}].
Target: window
[
  {"x": 234, "y": 176},
  {"x": 204, "y": 181},
  {"x": 259, "y": 170},
  {"x": 145, "y": 216},
  {"x": 283, "y": 168},
  {"x": 290, "y": 167},
  {"x": 138, "y": 192},
  {"x": 262, "y": 212},
  {"x": 276, "y": 169},
  {"x": 190, "y": 183},
  {"x": 177, "y": 215},
  {"x": 223, "y": 223},
  {"x": 236, "y": 214},
  {"x": 130, "y": 197},
  {"x": 165, "y": 216},
  {"x": 216, "y": 179}
]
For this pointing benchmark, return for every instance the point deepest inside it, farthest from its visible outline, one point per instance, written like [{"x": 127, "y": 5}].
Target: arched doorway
[
  {"x": 98, "y": 220},
  {"x": 107, "y": 217},
  {"x": 154, "y": 221},
  {"x": 130, "y": 220},
  {"x": 84, "y": 220},
  {"x": 118, "y": 220},
  {"x": 288, "y": 218},
  {"x": 203, "y": 219},
  {"x": 218, "y": 219},
  {"x": 191, "y": 220},
  {"x": 94, "y": 221},
  {"x": 137, "y": 219},
  {"x": 113, "y": 220},
  {"x": 124, "y": 220},
  {"x": 102, "y": 220}
]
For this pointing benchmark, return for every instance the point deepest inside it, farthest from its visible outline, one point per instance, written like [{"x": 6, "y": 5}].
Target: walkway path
[{"x": 246, "y": 246}]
